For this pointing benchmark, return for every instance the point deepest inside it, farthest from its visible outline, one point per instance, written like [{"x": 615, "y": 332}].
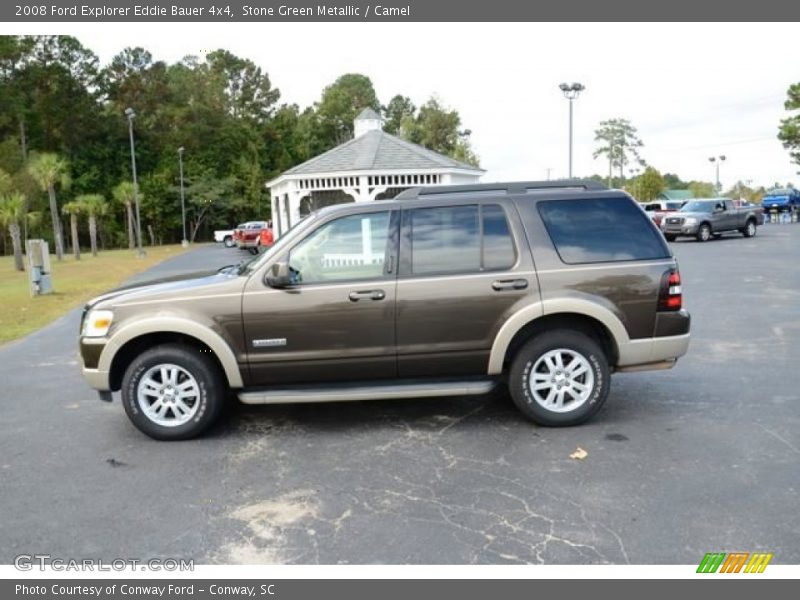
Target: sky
[{"x": 692, "y": 90}]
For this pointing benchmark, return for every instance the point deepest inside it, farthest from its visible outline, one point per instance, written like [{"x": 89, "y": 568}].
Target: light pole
[
  {"x": 184, "y": 241},
  {"x": 716, "y": 161},
  {"x": 571, "y": 92},
  {"x": 635, "y": 183},
  {"x": 131, "y": 116}
]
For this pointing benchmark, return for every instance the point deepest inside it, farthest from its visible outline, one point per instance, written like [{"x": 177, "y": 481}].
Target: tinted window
[
  {"x": 600, "y": 230},
  {"x": 448, "y": 240},
  {"x": 349, "y": 248},
  {"x": 498, "y": 245},
  {"x": 445, "y": 240}
]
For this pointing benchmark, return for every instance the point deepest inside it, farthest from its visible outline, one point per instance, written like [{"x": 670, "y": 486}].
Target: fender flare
[
  {"x": 550, "y": 307},
  {"x": 169, "y": 324}
]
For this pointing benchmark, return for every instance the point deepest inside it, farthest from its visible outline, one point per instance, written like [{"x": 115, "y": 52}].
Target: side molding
[
  {"x": 550, "y": 307},
  {"x": 166, "y": 324}
]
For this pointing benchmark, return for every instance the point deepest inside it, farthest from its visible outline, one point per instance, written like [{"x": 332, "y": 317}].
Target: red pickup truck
[{"x": 248, "y": 234}]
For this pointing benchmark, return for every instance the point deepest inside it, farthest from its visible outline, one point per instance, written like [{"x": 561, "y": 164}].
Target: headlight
[
  {"x": 97, "y": 323},
  {"x": 690, "y": 221}
]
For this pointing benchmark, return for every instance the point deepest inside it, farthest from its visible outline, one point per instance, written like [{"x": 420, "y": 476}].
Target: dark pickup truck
[{"x": 707, "y": 218}]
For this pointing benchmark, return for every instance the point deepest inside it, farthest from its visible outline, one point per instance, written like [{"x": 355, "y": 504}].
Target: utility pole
[{"x": 571, "y": 92}]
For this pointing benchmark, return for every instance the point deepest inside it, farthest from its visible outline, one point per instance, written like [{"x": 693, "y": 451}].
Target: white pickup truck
[{"x": 225, "y": 236}]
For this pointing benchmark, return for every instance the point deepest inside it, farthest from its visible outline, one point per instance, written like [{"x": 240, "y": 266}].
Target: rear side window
[
  {"x": 460, "y": 239},
  {"x": 601, "y": 230}
]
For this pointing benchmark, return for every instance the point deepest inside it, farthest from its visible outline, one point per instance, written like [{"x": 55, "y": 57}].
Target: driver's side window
[{"x": 349, "y": 248}]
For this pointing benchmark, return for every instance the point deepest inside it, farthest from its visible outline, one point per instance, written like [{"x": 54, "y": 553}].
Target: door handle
[
  {"x": 509, "y": 284},
  {"x": 367, "y": 295}
]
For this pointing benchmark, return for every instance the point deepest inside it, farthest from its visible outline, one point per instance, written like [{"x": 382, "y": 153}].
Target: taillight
[{"x": 670, "y": 297}]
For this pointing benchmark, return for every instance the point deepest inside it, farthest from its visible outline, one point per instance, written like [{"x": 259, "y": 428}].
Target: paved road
[{"x": 705, "y": 457}]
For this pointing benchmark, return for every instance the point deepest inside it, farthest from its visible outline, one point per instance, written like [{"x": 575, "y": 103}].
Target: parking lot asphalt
[{"x": 702, "y": 458}]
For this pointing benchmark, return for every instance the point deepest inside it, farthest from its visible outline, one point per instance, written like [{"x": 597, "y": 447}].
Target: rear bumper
[{"x": 672, "y": 342}]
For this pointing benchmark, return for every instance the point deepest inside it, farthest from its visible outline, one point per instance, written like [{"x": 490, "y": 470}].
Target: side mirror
[{"x": 279, "y": 276}]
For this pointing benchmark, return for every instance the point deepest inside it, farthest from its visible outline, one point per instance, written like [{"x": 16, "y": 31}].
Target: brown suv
[{"x": 548, "y": 287}]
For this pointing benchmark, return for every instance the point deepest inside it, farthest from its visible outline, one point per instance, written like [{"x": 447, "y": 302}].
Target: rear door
[{"x": 462, "y": 268}]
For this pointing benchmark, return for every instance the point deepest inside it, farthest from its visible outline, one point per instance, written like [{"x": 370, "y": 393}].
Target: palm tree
[
  {"x": 49, "y": 170},
  {"x": 12, "y": 212},
  {"x": 95, "y": 206},
  {"x": 73, "y": 209},
  {"x": 123, "y": 194}
]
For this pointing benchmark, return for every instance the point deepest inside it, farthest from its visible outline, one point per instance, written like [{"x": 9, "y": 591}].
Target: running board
[{"x": 368, "y": 391}]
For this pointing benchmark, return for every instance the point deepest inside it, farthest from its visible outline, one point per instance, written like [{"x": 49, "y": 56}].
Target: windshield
[
  {"x": 780, "y": 192},
  {"x": 251, "y": 265},
  {"x": 703, "y": 206}
]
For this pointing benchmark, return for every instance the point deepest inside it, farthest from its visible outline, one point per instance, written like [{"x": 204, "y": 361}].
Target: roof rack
[{"x": 514, "y": 187}]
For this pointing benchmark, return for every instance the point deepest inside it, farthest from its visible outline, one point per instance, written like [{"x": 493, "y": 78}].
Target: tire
[
  {"x": 205, "y": 392},
  {"x": 537, "y": 360},
  {"x": 749, "y": 229},
  {"x": 228, "y": 241},
  {"x": 704, "y": 233},
  {"x": 253, "y": 250},
  {"x": 670, "y": 237}
]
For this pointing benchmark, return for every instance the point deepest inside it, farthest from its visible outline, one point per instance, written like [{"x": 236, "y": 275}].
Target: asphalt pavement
[{"x": 702, "y": 458}]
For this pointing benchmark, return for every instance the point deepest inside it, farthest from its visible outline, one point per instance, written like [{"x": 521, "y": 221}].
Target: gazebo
[{"x": 374, "y": 165}]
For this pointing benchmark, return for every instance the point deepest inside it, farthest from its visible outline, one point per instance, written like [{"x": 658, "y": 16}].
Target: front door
[{"x": 336, "y": 321}]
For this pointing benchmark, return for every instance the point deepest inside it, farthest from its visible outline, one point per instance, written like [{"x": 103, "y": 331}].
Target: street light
[
  {"x": 184, "y": 241},
  {"x": 131, "y": 116},
  {"x": 571, "y": 92},
  {"x": 716, "y": 161}
]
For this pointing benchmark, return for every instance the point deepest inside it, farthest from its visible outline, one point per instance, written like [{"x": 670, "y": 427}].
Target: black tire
[
  {"x": 228, "y": 241},
  {"x": 211, "y": 391},
  {"x": 704, "y": 232},
  {"x": 670, "y": 237},
  {"x": 533, "y": 356},
  {"x": 749, "y": 229},
  {"x": 253, "y": 250}
]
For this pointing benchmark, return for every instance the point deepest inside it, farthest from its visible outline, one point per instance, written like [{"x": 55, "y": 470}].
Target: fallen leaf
[{"x": 579, "y": 454}]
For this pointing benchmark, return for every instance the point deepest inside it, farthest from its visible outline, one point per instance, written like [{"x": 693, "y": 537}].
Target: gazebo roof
[{"x": 377, "y": 150}]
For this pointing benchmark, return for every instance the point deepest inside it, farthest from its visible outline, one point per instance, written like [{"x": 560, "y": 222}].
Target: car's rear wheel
[
  {"x": 173, "y": 392},
  {"x": 749, "y": 229},
  {"x": 704, "y": 233},
  {"x": 228, "y": 241},
  {"x": 560, "y": 378}
]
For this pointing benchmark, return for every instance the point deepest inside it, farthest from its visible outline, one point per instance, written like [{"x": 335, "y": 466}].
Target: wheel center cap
[{"x": 561, "y": 378}]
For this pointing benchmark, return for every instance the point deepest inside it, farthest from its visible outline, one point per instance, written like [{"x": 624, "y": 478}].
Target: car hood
[
  {"x": 166, "y": 286},
  {"x": 696, "y": 215}
]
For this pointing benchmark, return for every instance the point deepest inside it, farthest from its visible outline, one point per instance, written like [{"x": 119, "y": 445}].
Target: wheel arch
[
  {"x": 130, "y": 341},
  {"x": 596, "y": 321}
]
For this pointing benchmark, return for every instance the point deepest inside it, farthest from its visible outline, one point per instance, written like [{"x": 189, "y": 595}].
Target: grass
[{"x": 74, "y": 282}]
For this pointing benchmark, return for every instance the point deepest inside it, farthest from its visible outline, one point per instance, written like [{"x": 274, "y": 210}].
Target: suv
[{"x": 547, "y": 287}]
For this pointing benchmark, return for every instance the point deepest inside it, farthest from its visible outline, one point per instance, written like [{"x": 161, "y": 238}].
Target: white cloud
[{"x": 693, "y": 90}]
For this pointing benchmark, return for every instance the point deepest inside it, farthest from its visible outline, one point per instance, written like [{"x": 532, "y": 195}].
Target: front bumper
[
  {"x": 90, "y": 350},
  {"x": 680, "y": 229}
]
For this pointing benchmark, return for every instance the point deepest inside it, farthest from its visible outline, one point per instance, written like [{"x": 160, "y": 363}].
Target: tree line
[{"x": 64, "y": 139}]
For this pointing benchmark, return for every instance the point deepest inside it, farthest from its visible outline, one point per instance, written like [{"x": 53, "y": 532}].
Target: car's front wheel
[
  {"x": 560, "y": 378},
  {"x": 173, "y": 392},
  {"x": 704, "y": 233},
  {"x": 670, "y": 237}
]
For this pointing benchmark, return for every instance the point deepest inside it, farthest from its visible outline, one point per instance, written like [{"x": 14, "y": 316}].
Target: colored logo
[{"x": 734, "y": 562}]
